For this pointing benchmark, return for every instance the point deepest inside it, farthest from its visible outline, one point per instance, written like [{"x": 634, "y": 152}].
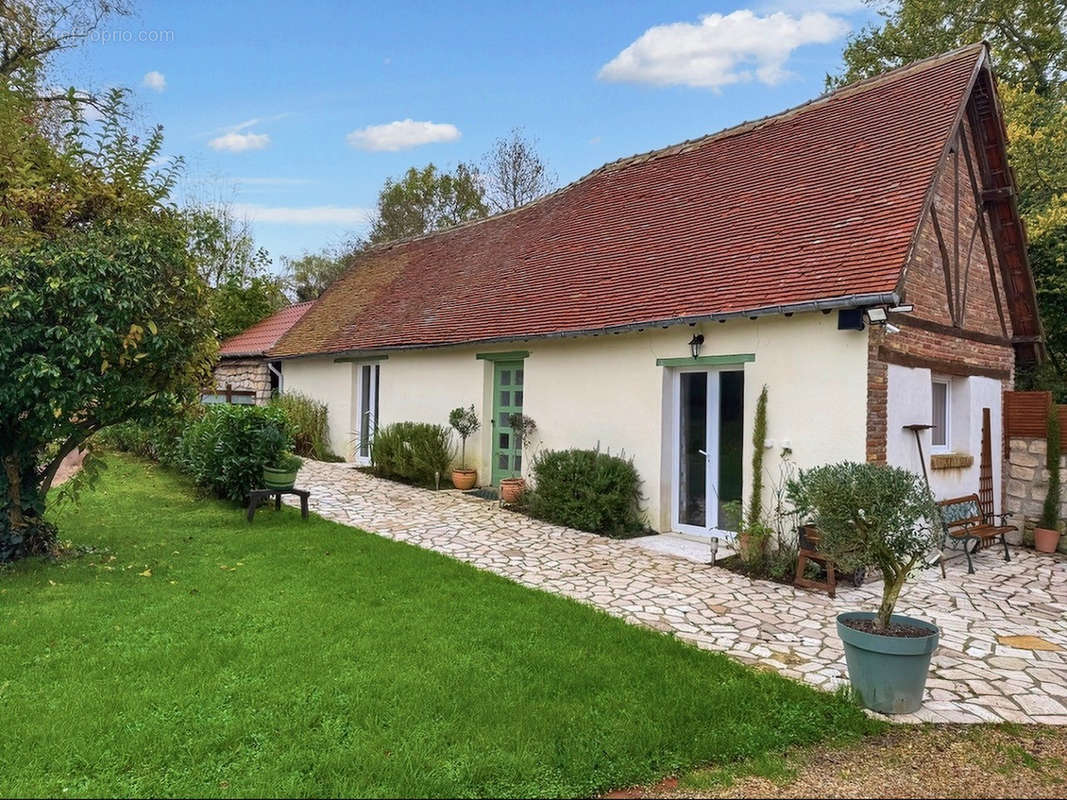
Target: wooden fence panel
[{"x": 1026, "y": 413}]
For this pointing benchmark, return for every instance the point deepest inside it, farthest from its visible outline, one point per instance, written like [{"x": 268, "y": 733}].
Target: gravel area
[{"x": 927, "y": 761}]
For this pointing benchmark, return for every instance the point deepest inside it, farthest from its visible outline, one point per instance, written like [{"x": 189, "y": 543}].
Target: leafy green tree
[
  {"x": 32, "y": 32},
  {"x": 103, "y": 316},
  {"x": 310, "y": 275},
  {"x": 243, "y": 291},
  {"x": 426, "y": 200},
  {"x": 1027, "y": 37},
  {"x": 1028, "y": 40}
]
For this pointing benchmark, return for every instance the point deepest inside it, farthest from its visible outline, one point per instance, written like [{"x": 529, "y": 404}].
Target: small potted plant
[
  {"x": 875, "y": 514},
  {"x": 522, "y": 428},
  {"x": 1047, "y": 533},
  {"x": 465, "y": 421},
  {"x": 282, "y": 473}
]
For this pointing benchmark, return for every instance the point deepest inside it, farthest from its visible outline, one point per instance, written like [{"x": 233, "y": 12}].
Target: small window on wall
[{"x": 939, "y": 433}]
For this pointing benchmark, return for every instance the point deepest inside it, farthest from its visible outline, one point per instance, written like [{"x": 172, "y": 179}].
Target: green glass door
[{"x": 507, "y": 400}]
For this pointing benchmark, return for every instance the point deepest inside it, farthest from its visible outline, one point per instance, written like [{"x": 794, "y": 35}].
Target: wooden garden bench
[{"x": 964, "y": 522}]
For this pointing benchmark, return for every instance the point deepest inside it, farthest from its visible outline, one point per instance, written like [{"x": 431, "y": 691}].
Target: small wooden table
[
  {"x": 257, "y": 496},
  {"x": 808, "y": 541}
]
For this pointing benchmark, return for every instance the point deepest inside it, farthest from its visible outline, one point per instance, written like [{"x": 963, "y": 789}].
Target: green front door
[{"x": 507, "y": 400}]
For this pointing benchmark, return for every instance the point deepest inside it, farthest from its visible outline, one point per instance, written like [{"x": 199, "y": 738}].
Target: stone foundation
[
  {"x": 245, "y": 374},
  {"x": 1025, "y": 486}
]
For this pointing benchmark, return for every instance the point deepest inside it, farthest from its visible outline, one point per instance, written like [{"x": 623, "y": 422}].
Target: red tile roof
[
  {"x": 262, "y": 336},
  {"x": 817, "y": 203}
]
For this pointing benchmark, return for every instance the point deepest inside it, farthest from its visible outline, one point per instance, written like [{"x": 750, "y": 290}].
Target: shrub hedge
[
  {"x": 160, "y": 442},
  {"x": 588, "y": 490},
  {"x": 412, "y": 451},
  {"x": 226, "y": 450}
]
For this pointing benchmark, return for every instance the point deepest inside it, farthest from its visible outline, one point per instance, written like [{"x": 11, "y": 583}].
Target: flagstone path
[{"x": 974, "y": 676}]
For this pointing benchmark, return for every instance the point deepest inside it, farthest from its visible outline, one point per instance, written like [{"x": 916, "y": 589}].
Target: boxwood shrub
[
  {"x": 588, "y": 490},
  {"x": 412, "y": 452},
  {"x": 226, "y": 450}
]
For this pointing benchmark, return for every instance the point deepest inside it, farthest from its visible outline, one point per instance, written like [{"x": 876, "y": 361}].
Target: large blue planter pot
[{"x": 888, "y": 672}]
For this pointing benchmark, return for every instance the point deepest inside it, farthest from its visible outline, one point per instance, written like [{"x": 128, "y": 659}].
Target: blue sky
[{"x": 297, "y": 112}]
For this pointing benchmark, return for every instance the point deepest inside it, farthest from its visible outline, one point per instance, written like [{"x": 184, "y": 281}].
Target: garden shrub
[
  {"x": 412, "y": 451},
  {"x": 588, "y": 490},
  {"x": 160, "y": 442},
  {"x": 307, "y": 425},
  {"x": 225, "y": 452}
]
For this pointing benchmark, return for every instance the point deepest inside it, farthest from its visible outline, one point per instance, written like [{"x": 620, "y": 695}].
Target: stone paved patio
[{"x": 974, "y": 677}]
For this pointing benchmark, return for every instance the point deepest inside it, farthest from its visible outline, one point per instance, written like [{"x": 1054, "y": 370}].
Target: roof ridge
[{"x": 863, "y": 84}]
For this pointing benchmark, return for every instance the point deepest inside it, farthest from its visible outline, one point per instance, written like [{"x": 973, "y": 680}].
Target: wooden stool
[{"x": 257, "y": 496}]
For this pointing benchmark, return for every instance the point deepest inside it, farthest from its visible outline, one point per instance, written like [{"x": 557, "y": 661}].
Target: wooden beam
[
  {"x": 909, "y": 321},
  {"x": 945, "y": 263},
  {"x": 944, "y": 366}
]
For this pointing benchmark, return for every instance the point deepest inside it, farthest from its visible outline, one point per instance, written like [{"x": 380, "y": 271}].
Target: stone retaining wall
[
  {"x": 246, "y": 374},
  {"x": 1026, "y": 483}
]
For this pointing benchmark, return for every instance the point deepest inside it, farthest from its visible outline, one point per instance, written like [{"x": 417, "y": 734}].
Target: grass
[{"x": 193, "y": 654}]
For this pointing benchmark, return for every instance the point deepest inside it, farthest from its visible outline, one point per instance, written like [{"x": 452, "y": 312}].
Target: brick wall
[
  {"x": 247, "y": 374},
  {"x": 972, "y": 340},
  {"x": 1026, "y": 485}
]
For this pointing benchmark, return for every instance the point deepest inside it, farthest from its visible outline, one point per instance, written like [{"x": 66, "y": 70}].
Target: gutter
[{"x": 827, "y": 305}]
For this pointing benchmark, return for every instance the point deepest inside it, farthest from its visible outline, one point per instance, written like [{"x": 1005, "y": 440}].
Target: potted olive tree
[
  {"x": 522, "y": 429},
  {"x": 465, "y": 421},
  {"x": 874, "y": 514},
  {"x": 1047, "y": 532}
]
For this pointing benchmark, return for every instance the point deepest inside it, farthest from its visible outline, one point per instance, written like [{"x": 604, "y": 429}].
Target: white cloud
[
  {"x": 155, "y": 81},
  {"x": 402, "y": 135},
  {"x": 721, "y": 49},
  {"x": 235, "y": 142},
  {"x": 310, "y": 215}
]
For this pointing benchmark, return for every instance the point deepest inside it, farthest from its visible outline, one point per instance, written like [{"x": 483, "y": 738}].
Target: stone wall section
[
  {"x": 245, "y": 374},
  {"x": 1026, "y": 485}
]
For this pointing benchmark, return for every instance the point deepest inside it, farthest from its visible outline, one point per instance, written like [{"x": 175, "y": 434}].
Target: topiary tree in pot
[
  {"x": 871, "y": 514},
  {"x": 465, "y": 422}
]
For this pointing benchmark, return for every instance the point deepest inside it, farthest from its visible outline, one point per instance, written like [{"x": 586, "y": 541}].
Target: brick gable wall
[{"x": 973, "y": 341}]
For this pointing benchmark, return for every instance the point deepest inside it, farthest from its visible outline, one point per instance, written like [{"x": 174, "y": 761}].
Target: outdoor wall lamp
[{"x": 695, "y": 344}]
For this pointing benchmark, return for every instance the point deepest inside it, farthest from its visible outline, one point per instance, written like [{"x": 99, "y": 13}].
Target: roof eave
[{"x": 826, "y": 304}]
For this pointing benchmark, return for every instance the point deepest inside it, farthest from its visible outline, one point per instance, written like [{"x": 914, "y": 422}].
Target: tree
[
  {"x": 103, "y": 315},
  {"x": 33, "y": 31},
  {"x": 870, "y": 514},
  {"x": 515, "y": 172},
  {"x": 242, "y": 290},
  {"x": 1028, "y": 41},
  {"x": 311, "y": 274},
  {"x": 426, "y": 200},
  {"x": 1027, "y": 37}
]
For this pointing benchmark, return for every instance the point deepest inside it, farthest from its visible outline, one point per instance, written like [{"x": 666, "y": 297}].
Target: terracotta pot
[
  {"x": 1046, "y": 540},
  {"x": 464, "y": 479},
  {"x": 511, "y": 489}
]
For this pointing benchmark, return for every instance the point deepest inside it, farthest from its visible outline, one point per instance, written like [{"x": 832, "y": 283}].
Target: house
[
  {"x": 861, "y": 256},
  {"x": 243, "y": 366}
]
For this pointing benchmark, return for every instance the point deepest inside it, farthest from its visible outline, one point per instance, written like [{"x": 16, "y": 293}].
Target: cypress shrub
[{"x": 588, "y": 490}]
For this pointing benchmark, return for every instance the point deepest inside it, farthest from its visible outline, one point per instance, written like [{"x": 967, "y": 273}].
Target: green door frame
[{"x": 508, "y": 380}]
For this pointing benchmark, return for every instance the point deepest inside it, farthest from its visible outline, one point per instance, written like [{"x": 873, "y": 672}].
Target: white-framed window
[{"x": 941, "y": 414}]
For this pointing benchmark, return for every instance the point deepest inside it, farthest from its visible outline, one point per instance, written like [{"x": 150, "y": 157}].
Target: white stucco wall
[
  {"x": 909, "y": 402},
  {"x": 608, "y": 389},
  {"x": 331, "y": 383}
]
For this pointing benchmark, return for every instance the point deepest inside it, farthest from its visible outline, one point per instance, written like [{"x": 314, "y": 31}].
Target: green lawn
[{"x": 192, "y": 654}]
